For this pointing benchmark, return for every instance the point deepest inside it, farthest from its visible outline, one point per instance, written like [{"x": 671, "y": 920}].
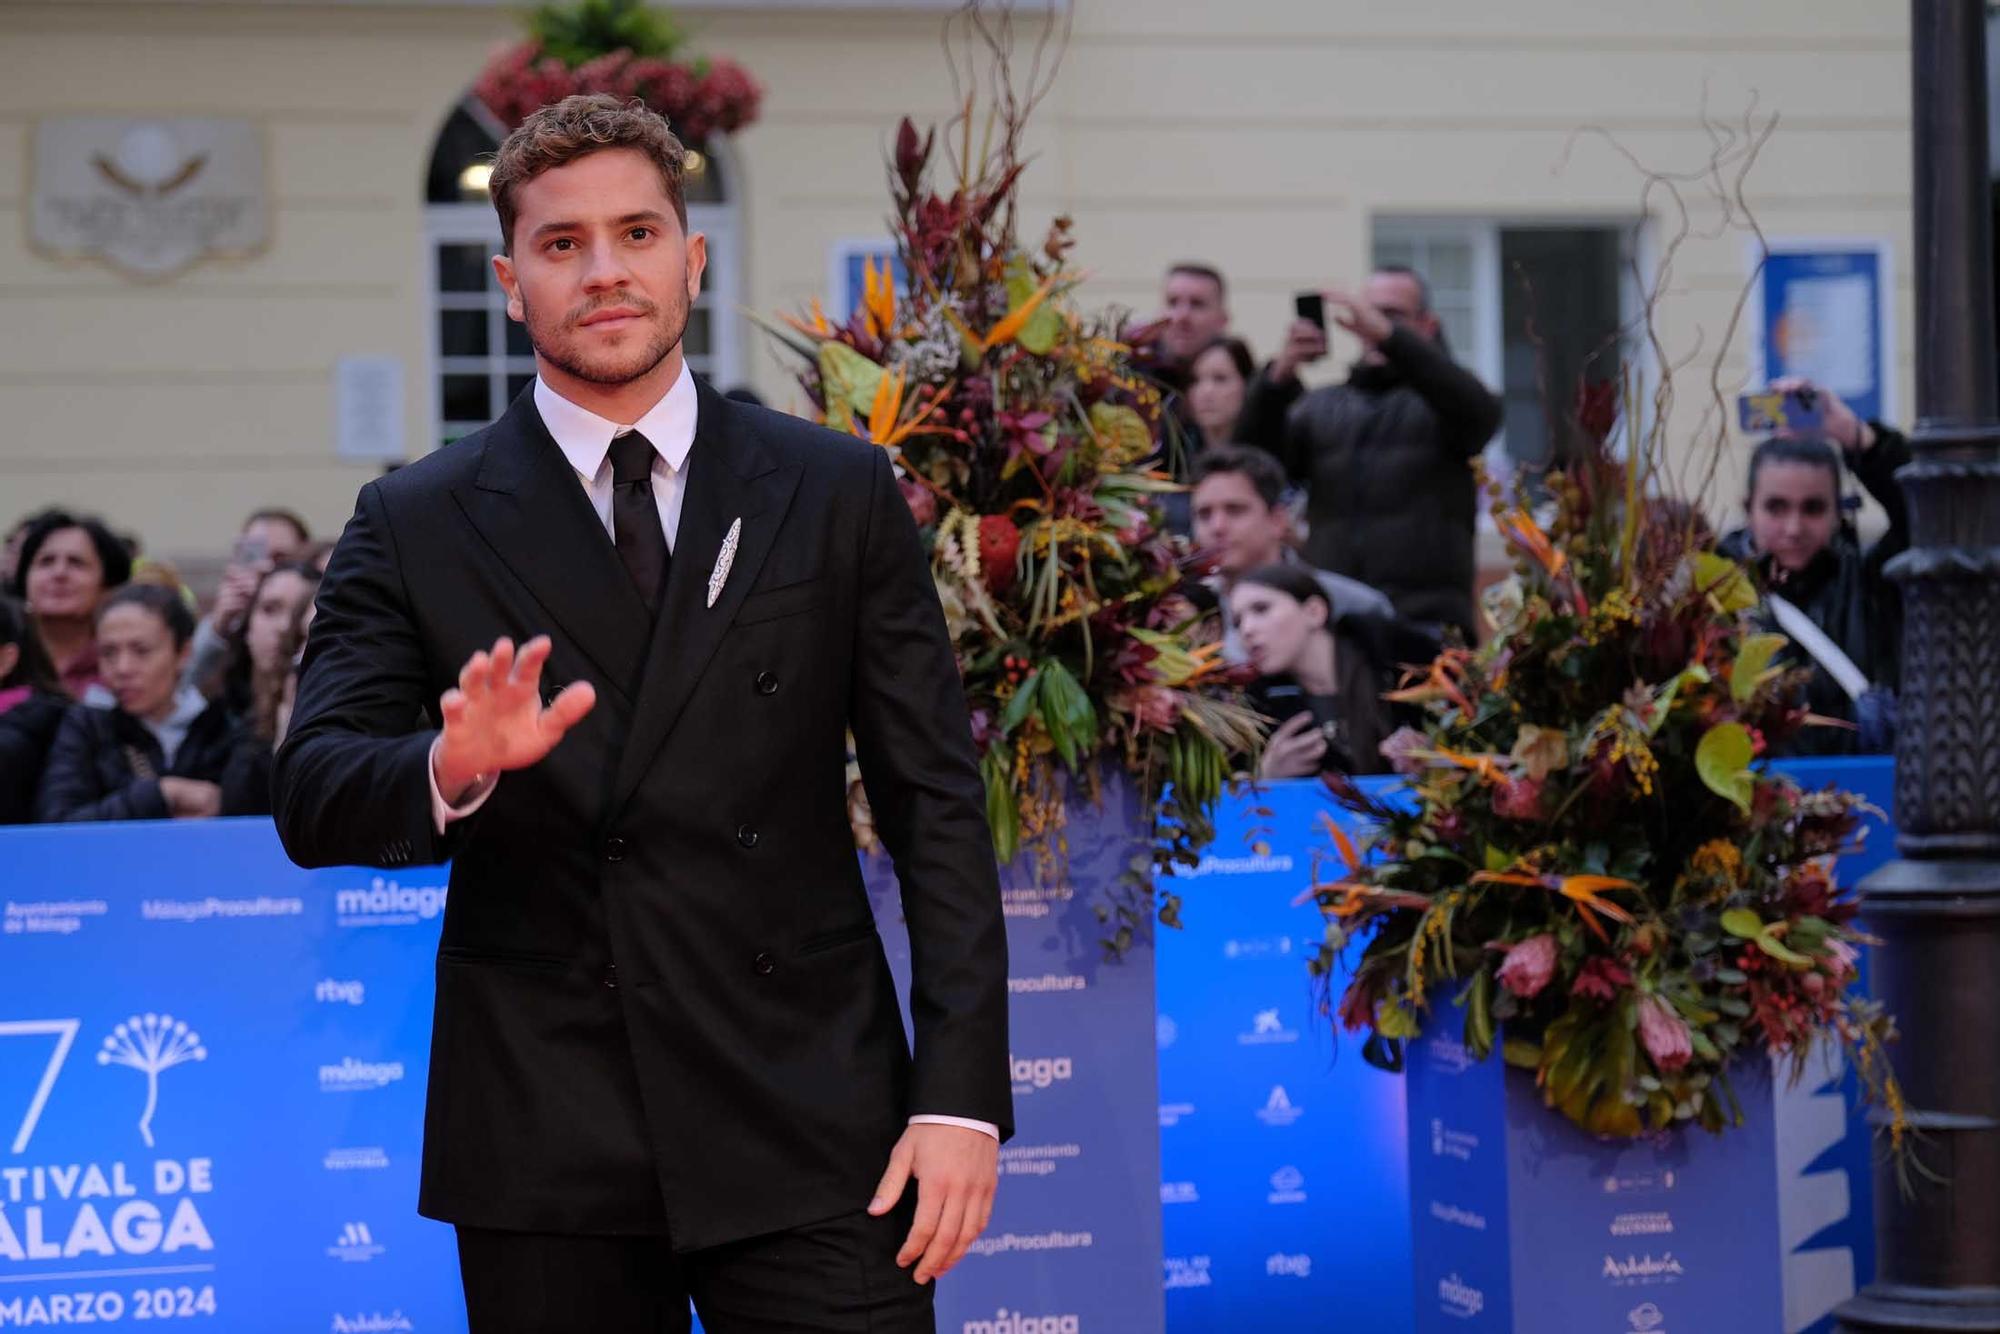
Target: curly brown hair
[{"x": 576, "y": 127}]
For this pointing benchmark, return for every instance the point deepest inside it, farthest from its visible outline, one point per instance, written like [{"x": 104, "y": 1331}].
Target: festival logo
[
  {"x": 1279, "y": 1109},
  {"x": 1259, "y": 863},
  {"x": 64, "y": 1032},
  {"x": 1037, "y": 1160},
  {"x": 1642, "y": 1270},
  {"x": 1179, "y": 1192},
  {"x": 353, "y": 1076},
  {"x": 1047, "y": 983},
  {"x": 1258, "y": 947},
  {"x": 1458, "y": 1298},
  {"x": 1652, "y": 1223},
  {"x": 1451, "y": 1213},
  {"x": 1040, "y": 1072},
  {"x": 1015, "y": 1322},
  {"x": 387, "y": 902},
  {"x": 151, "y": 1044},
  {"x": 355, "y": 1245},
  {"x": 1448, "y": 1054},
  {"x": 1646, "y": 1318},
  {"x": 372, "y": 1323},
  {"x": 1266, "y": 1028},
  {"x": 52, "y": 919},
  {"x": 1288, "y": 1266},
  {"x": 333, "y": 991},
  {"x": 1187, "y": 1272},
  {"x": 1172, "y": 1113},
  {"x": 1449, "y": 1143},
  {"x": 1288, "y": 1186},
  {"x": 371, "y": 1158}
]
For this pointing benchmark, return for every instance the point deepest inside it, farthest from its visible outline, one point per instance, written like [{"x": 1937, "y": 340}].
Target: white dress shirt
[{"x": 585, "y": 440}]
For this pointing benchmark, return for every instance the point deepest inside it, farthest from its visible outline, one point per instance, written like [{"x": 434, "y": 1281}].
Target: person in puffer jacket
[
  {"x": 162, "y": 751},
  {"x": 1386, "y": 457}
]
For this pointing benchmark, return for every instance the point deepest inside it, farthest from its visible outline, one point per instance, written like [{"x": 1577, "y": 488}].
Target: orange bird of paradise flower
[
  {"x": 1585, "y": 891},
  {"x": 1443, "y": 680},
  {"x": 1355, "y": 895}
]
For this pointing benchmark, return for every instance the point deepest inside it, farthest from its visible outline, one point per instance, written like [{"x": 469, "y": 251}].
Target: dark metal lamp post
[{"x": 1937, "y": 909}]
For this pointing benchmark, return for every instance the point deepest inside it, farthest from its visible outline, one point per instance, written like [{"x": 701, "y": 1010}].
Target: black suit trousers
[{"x": 835, "y": 1277}]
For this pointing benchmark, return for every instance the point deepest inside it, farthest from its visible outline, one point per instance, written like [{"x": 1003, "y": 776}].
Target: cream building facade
[{"x": 1288, "y": 142}]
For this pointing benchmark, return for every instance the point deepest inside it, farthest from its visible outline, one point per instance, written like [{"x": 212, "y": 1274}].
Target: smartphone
[
  {"x": 1799, "y": 411},
  {"x": 1311, "y": 306},
  {"x": 252, "y": 549}
]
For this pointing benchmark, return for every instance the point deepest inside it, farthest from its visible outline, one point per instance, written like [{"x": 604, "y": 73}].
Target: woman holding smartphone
[{"x": 1320, "y": 680}]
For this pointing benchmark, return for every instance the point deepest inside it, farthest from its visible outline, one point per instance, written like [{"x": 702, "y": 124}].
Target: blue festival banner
[{"x": 212, "y": 1067}]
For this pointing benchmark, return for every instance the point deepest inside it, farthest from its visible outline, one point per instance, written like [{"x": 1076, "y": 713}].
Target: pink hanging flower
[
  {"x": 1663, "y": 1034},
  {"x": 1529, "y": 965}
]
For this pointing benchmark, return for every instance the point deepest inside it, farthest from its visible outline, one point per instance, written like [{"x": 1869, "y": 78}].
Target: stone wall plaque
[{"x": 148, "y": 195}]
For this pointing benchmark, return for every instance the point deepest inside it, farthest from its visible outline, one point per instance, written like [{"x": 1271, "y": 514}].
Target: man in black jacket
[
  {"x": 1387, "y": 456},
  {"x": 667, "y": 1061}
]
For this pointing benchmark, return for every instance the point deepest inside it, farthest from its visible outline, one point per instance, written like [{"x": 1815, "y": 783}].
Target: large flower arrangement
[
  {"x": 623, "y": 48},
  {"x": 1022, "y": 437},
  {"x": 1597, "y": 869}
]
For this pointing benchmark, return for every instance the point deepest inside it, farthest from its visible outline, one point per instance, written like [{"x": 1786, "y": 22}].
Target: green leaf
[
  {"x": 1751, "y": 660},
  {"x": 1724, "y": 580},
  {"x": 1723, "y": 761},
  {"x": 1067, "y": 712},
  {"x": 1021, "y": 705},
  {"x": 1479, "y": 1015},
  {"x": 1743, "y": 923},
  {"x": 850, "y": 381},
  {"x": 1663, "y": 703},
  {"x": 1003, "y": 813},
  {"x": 1498, "y": 858},
  {"x": 1521, "y": 1054},
  {"x": 1772, "y": 946},
  {"x": 1122, "y": 431},
  {"x": 1395, "y": 1020},
  {"x": 1044, "y": 324}
]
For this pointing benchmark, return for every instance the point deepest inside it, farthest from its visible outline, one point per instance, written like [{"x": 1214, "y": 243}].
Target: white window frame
[{"x": 1485, "y": 358}]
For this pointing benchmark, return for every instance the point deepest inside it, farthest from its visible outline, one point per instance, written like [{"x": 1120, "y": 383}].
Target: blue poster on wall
[{"x": 1825, "y": 316}]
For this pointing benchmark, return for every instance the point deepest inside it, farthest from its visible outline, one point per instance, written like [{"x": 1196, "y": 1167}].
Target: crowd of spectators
[
  {"x": 1337, "y": 525},
  {"x": 119, "y": 702}
]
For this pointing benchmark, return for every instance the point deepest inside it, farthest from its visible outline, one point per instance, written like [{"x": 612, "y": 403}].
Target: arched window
[{"x": 480, "y": 359}]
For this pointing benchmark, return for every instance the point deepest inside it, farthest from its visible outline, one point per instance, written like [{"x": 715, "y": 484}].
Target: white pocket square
[{"x": 723, "y": 560}]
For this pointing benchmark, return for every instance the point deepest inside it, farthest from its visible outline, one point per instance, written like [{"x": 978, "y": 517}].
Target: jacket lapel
[
  {"x": 528, "y": 506},
  {"x": 731, "y": 476}
]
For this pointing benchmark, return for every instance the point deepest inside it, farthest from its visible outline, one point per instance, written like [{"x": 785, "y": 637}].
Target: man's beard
[{"x": 617, "y": 367}]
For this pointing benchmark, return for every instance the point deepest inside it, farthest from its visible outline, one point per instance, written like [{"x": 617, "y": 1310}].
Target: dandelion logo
[{"x": 149, "y": 1044}]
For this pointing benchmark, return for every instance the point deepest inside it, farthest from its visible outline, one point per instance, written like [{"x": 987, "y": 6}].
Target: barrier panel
[{"x": 212, "y": 1067}]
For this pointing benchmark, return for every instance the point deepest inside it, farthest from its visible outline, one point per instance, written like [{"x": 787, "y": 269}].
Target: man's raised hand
[{"x": 494, "y": 719}]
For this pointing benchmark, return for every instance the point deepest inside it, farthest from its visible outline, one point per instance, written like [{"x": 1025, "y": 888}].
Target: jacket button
[
  {"x": 611, "y": 976},
  {"x": 614, "y": 849},
  {"x": 767, "y": 684},
  {"x": 764, "y": 964},
  {"x": 746, "y": 836}
]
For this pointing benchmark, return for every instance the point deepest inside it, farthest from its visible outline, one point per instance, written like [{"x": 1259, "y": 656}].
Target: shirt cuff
[
  {"x": 963, "y": 1123},
  {"x": 442, "y": 811}
]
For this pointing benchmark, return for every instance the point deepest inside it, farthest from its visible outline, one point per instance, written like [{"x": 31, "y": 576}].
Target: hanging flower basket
[{"x": 617, "y": 47}]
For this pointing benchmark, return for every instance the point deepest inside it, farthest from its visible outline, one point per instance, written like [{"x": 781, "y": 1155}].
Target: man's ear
[
  {"x": 697, "y": 262},
  {"x": 510, "y": 283}
]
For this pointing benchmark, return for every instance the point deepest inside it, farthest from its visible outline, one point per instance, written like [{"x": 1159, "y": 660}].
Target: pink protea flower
[
  {"x": 1398, "y": 748},
  {"x": 1529, "y": 965},
  {"x": 920, "y": 499},
  {"x": 1663, "y": 1034},
  {"x": 1520, "y": 799}
]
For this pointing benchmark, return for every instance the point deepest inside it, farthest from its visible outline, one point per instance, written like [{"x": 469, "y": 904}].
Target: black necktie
[{"x": 635, "y": 516}]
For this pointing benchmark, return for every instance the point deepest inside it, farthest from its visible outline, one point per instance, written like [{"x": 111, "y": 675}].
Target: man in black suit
[{"x": 668, "y": 1061}]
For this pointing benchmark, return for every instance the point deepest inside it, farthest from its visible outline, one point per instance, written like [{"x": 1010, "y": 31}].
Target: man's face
[
  {"x": 601, "y": 273},
  {"x": 1195, "y": 314},
  {"x": 1401, "y": 298},
  {"x": 1232, "y": 520}
]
